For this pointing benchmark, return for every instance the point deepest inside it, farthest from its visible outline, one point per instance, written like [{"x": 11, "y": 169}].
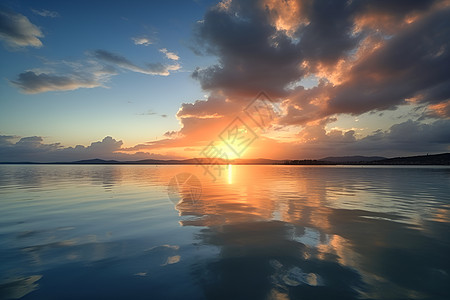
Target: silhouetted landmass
[
  {"x": 96, "y": 161},
  {"x": 436, "y": 159},
  {"x": 308, "y": 162},
  {"x": 352, "y": 159}
]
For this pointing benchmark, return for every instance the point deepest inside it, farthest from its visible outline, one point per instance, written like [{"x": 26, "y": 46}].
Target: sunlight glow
[{"x": 230, "y": 174}]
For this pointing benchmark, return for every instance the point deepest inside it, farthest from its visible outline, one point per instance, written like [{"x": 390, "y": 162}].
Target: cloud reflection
[
  {"x": 19, "y": 287},
  {"x": 315, "y": 232}
]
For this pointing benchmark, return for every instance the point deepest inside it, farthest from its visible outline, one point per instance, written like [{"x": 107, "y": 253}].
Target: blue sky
[
  {"x": 84, "y": 115},
  {"x": 162, "y": 79}
]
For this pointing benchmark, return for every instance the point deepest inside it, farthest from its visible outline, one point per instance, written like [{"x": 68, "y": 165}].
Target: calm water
[{"x": 257, "y": 232}]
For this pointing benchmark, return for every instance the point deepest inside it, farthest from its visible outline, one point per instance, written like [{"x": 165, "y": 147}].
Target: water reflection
[
  {"x": 324, "y": 232},
  {"x": 258, "y": 232},
  {"x": 18, "y": 287},
  {"x": 258, "y": 259}
]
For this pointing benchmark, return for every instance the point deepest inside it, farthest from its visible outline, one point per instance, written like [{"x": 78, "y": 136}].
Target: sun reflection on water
[{"x": 230, "y": 174}]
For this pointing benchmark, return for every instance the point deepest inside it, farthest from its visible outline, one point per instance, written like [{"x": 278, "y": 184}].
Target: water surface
[{"x": 257, "y": 232}]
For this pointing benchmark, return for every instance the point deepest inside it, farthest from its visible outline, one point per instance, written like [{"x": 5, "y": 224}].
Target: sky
[{"x": 279, "y": 79}]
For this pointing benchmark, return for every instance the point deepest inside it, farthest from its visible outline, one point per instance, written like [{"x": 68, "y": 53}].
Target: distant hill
[
  {"x": 257, "y": 161},
  {"x": 95, "y": 161},
  {"x": 351, "y": 159},
  {"x": 436, "y": 159}
]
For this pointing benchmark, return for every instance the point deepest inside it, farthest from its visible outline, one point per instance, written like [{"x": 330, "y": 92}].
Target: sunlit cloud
[
  {"x": 224, "y": 5},
  {"x": 143, "y": 40},
  {"x": 169, "y": 55},
  {"x": 16, "y": 30},
  {"x": 440, "y": 110}
]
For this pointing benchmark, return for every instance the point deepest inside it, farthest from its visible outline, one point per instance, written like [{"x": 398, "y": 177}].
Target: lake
[{"x": 254, "y": 232}]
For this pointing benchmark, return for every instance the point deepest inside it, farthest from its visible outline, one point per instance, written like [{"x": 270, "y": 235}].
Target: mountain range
[{"x": 436, "y": 159}]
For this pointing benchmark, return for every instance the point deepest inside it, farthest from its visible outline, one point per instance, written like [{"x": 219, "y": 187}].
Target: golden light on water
[{"x": 230, "y": 174}]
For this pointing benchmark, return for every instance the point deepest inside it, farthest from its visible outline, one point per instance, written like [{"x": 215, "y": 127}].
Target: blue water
[{"x": 256, "y": 232}]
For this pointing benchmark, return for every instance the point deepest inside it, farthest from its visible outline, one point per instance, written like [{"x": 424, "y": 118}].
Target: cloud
[
  {"x": 16, "y": 30},
  {"x": 406, "y": 138},
  {"x": 169, "y": 55},
  {"x": 410, "y": 137},
  {"x": 252, "y": 55},
  {"x": 364, "y": 56},
  {"x": 148, "y": 113},
  {"x": 144, "y": 41},
  {"x": 93, "y": 71},
  {"x": 63, "y": 76},
  {"x": 34, "y": 149},
  {"x": 122, "y": 62},
  {"x": 46, "y": 13},
  {"x": 5, "y": 139},
  {"x": 32, "y": 83},
  {"x": 394, "y": 72},
  {"x": 440, "y": 110},
  {"x": 25, "y": 148},
  {"x": 313, "y": 142},
  {"x": 151, "y": 113},
  {"x": 258, "y": 52}
]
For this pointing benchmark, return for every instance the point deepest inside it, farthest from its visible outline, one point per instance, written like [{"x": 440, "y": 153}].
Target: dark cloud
[
  {"x": 328, "y": 35},
  {"x": 32, "y": 83},
  {"x": 362, "y": 64},
  {"x": 410, "y": 132},
  {"x": 25, "y": 148},
  {"x": 398, "y": 8},
  {"x": 410, "y": 138},
  {"x": 6, "y": 139},
  {"x": 16, "y": 30},
  {"x": 407, "y": 138},
  {"x": 252, "y": 55},
  {"x": 412, "y": 63}
]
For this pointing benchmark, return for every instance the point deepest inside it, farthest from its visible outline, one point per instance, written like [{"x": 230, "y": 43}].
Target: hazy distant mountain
[
  {"x": 436, "y": 159},
  {"x": 95, "y": 161},
  {"x": 257, "y": 161},
  {"x": 351, "y": 159}
]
